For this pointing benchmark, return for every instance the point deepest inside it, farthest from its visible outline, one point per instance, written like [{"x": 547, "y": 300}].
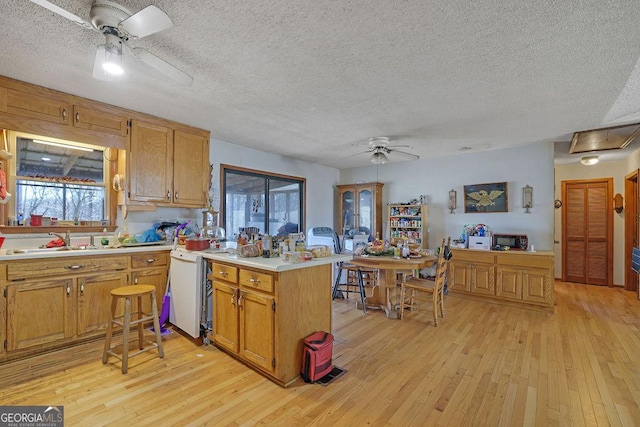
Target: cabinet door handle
[
  {"x": 240, "y": 301},
  {"x": 223, "y": 273},
  {"x": 82, "y": 287},
  {"x": 74, "y": 267},
  {"x": 77, "y": 117},
  {"x": 168, "y": 195},
  {"x": 64, "y": 113},
  {"x": 252, "y": 280},
  {"x": 176, "y": 196},
  {"x": 150, "y": 260},
  {"x": 68, "y": 289}
]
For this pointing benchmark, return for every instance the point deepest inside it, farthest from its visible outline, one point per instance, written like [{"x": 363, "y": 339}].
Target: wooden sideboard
[{"x": 511, "y": 276}]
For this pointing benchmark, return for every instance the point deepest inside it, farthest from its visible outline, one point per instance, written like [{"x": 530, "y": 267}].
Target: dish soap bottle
[{"x": 105, "y": 240}]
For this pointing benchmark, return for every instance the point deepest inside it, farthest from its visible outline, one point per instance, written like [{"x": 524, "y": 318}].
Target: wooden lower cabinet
[
  {"x": 522, "y": 277},
  {"x": 226, "y": 328},
  {"x": 509, "y": 283},
  {"x": 151, "y": 269},
  {"x": 537, "y": 286},
  {"x": 257, "y": 329},
  {"x": 244, "y": 324},
  {"x": 261, "y": 317},
  {"x": 459, "y": 276},
  {"x": 244, "y": 317},
  {"x": 67, "y": 299},
  {"x": 472, "y": 272},
  {"x": 93, "y": 297},
  {"x": 39, "y": 312},
  {"x": 482, "y": 281}
]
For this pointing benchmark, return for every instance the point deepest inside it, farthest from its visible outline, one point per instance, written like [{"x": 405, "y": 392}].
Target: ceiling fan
[
  {"x": 119, "y": 26},
  {"x": 380, "y": 149}
]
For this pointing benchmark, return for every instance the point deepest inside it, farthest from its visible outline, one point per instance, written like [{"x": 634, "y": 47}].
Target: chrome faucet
[{"x": 66, "y": 239}]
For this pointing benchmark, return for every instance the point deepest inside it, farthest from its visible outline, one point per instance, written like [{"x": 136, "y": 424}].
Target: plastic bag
[{"x": 249, "y": 251}]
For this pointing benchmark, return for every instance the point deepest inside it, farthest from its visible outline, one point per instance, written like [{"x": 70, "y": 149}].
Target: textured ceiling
[{"x": 312, "y": 79}]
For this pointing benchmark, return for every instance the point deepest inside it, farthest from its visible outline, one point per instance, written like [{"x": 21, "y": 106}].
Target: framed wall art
[{"x": 486, "y": 198}]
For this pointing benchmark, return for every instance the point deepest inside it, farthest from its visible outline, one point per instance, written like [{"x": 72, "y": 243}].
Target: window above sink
[{"x": 64, "y": 184}]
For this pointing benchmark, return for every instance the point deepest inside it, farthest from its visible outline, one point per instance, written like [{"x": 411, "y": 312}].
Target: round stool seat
[{"x": 132, "y": 290}]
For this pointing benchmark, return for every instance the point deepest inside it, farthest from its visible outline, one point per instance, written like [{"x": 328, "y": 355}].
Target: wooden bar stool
[
  {"x": 358, "y": 278},
  {"x": 124, "y": 321}
]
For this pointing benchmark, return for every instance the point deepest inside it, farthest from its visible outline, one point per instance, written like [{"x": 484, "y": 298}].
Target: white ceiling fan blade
[
  {"x": 398, "y": 146},
  {"x": 405, "y": 154},
  {"x": 162, "y": 66},
  {"x": 148, "y": 21},
  {"x": 64, "y": 13}
]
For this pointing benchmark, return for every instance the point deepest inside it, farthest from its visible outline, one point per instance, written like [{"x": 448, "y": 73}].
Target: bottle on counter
[
  {"x": 104, "y": 240},
  {"x": 405, "y": 249},
  {"x": 266, "y": 246}
]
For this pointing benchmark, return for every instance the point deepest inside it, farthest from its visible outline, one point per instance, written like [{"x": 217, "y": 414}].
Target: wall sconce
[
  {"x": 527, "y": 198},
  {"x": 617, "y": 203},
  {"x": 452, "y": 200}
]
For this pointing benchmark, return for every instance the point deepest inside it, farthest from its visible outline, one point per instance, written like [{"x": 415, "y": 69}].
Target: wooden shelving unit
[{"x": 410, "y": 221}]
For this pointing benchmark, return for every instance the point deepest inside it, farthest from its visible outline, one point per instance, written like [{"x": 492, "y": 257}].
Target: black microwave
[{"x": 518, "y": 242}]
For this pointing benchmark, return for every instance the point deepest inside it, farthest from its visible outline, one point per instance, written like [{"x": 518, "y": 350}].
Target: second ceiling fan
[
  {"x": 120, "y": 26},
  {"x": 379, "y": 146}
]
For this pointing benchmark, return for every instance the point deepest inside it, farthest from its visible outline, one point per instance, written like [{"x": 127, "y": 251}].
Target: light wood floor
[{"x": 486, "y": 364}]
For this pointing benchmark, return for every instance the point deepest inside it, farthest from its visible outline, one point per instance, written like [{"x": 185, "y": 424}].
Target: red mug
[{"x": 36, "y": 220}]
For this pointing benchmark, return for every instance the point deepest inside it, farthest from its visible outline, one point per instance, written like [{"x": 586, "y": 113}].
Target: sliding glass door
[{"x": 274, "y": 204}]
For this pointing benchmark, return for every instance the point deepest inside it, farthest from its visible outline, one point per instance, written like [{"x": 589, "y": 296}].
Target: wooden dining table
[{"x": 385, "y": 294}]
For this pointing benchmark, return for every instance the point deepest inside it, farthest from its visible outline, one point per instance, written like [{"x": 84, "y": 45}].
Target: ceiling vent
[{"x": 613, "y": 138}]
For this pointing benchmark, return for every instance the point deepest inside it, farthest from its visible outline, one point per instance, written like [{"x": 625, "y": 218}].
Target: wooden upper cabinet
[
  {"x": 100, "y": 121},
  {"x": 190, "y": 168},
  {"x": 150, "y": 162},
  {"x": 168, "y": 166},
  {"x": 49, "y": 109},
  {"x": 167, "y": 163}
]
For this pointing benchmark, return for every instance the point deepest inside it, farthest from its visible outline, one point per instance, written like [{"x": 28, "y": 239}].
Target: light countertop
[
  {"x": 513, "y": 252},
  {"x": 81, "y": 252},
  {"x": 271, "y": 264}
]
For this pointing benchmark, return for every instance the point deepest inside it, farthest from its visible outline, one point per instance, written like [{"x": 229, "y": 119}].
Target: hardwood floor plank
[{"x": 485, "y": 364}]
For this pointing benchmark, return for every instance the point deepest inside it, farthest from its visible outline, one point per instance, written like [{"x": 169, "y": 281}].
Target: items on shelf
[{"x": 408, "y": 221}]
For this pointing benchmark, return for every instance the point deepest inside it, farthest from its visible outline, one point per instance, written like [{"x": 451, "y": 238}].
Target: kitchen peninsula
[{"x": 263, "y": 308}]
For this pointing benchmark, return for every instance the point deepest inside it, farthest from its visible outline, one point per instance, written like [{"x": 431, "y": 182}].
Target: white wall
[
  {"x": 320, "y": 179},
  {"x": 434, "y": 177}
]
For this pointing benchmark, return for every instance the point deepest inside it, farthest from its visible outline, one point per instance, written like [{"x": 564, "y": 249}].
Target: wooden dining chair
[{"x": 414, "y": 290}]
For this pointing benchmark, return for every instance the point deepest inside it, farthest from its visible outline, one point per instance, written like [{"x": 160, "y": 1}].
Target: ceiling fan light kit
[
  {"x": 119, "y": 26},
  {"x": 379, "y": 158}
]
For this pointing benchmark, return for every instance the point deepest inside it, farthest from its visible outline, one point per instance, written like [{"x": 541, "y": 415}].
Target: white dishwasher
[{"x": 186, "y": 283}]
